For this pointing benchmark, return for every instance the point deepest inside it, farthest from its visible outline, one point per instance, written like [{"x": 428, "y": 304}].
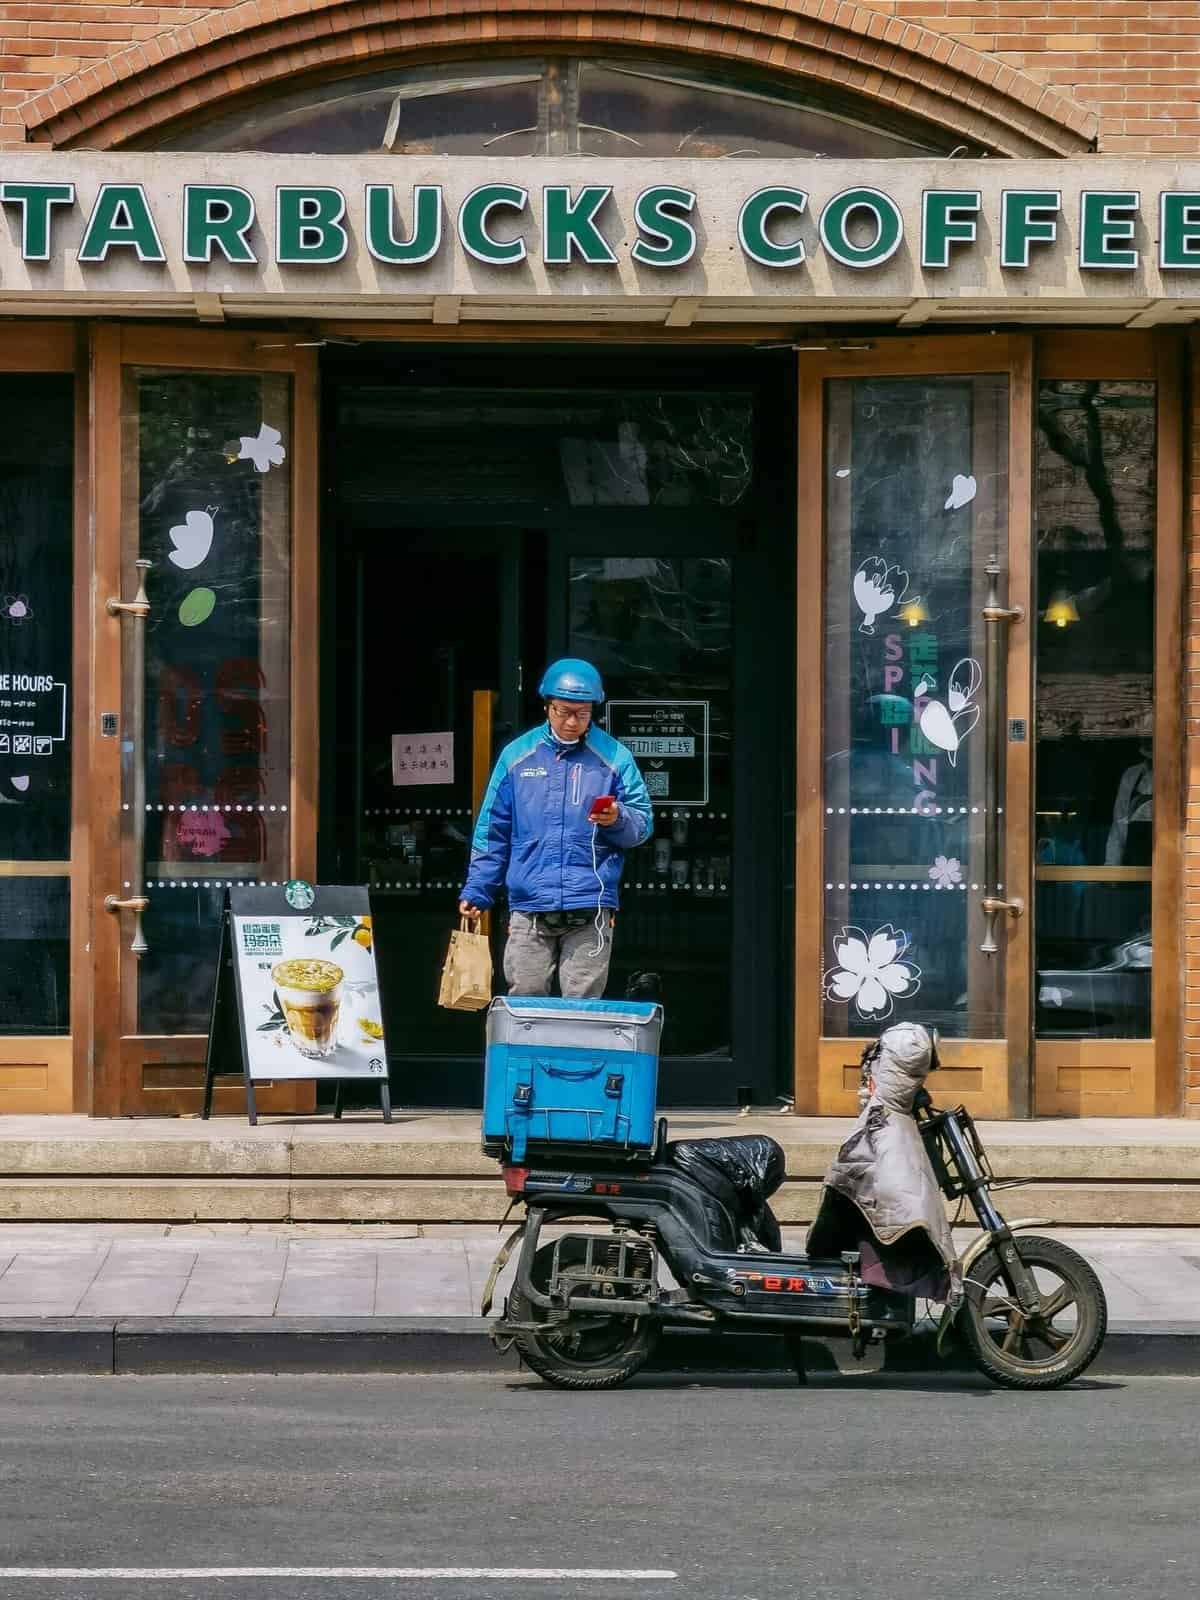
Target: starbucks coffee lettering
[
  {"x": 859, "y": 227},
  {"x": 78, "y": 224}
]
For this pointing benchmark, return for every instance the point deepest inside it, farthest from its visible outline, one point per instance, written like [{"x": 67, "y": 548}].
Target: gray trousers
[{"x": 533, "y": 951}]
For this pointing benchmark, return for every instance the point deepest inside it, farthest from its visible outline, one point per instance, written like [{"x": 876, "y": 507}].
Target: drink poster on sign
[
  {"x": 669, "y": 741},
  {"x": 297, "y": 992}
]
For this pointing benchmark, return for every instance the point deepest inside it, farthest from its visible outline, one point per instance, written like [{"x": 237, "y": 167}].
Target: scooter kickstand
[{"x": 795, "y": 1348}]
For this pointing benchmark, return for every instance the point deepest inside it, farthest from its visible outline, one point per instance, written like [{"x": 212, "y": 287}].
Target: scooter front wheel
[
  {"x": 1042, "y": 1351},
  {"x": 587, "y": 1351}
]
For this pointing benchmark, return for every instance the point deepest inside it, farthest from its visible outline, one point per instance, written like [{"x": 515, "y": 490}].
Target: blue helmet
[{"x": 571, "y": 679}]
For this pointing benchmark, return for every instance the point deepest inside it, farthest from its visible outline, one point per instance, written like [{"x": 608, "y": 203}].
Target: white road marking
[{"x": 611, "y": 1574}]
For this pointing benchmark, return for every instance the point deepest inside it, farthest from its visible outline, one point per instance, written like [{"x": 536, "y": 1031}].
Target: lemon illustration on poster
[{"x": 297, "y": 991}]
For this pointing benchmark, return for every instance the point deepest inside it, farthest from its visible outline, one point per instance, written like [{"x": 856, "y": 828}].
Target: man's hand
[
  {"x": 607, "y": 817},
  {"x": 466, "y": 909}
]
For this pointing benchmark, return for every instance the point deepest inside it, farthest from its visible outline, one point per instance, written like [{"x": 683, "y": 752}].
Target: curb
[{"x": 441, "y": 1345}]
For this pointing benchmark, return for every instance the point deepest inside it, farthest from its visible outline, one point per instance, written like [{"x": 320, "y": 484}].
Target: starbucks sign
[{"x": 269, "y": 230}]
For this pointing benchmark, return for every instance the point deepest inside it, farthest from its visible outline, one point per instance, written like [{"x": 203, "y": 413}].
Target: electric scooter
[{"x": 587, "y": 1308}]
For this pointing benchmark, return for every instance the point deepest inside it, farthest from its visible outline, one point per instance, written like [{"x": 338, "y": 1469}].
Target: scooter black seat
[{"x": 741, "y": 1172}]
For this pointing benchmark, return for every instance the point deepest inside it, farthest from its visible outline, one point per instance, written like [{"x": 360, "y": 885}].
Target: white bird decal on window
[
  {"x": 265, "y": 451},
  {"x": 192, "y": 539}
]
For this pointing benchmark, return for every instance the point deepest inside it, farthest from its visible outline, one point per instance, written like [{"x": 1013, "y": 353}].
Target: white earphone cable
[{"x": 599, "y": 949}]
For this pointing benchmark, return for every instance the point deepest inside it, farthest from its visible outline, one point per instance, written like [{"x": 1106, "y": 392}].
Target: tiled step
[{"x": 454, "y": 1199}]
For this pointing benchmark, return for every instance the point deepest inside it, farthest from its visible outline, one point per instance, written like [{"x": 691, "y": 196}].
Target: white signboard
[
  {"x": 421, "y": 758},
  {"x": 301, "y": 963},
  {"x": 669, "y": 741}
]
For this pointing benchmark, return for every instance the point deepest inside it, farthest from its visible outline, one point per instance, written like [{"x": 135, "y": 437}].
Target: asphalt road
[{"x": 853, "y": 1488}]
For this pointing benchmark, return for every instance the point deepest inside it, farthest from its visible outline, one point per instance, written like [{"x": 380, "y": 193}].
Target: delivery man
[{"x": 564, "y": 804}]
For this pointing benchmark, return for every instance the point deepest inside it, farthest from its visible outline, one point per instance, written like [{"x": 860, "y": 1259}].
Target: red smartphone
[{"x": 600, "y": 805}]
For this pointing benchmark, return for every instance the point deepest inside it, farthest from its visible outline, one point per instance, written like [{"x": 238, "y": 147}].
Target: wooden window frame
[
  {"x": 992, "y": 1077},
  {"x": 140, "y": 1074},
  {"x": 1048, "y": 1077},
  {"x": 1152, "y": 1067}
]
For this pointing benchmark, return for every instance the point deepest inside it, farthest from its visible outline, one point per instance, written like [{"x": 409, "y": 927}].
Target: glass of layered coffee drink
[{"x": 310, "y": 997}]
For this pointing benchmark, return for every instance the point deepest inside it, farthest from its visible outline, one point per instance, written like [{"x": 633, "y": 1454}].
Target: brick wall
[
  {"x": 41, "y": 44},
  {"x": 1135, "y": 62}
]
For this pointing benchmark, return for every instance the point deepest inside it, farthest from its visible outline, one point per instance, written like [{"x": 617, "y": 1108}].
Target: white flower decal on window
[
  {"x": 946, "y": 871},
  {"x": 871, "y": 970},
  {"x": 877, "y": 588}
]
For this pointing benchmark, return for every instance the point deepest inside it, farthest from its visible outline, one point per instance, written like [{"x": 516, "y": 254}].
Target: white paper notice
[{"x": 422, "y": 758}]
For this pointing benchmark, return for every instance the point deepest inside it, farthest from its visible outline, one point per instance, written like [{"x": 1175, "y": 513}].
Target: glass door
[
  {"x": 204, "y": 613},
  {"x": 675, "y": 621},
  {"x": 922, "y": 723}
]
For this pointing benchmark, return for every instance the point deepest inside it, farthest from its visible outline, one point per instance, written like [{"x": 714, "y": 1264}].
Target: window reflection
[
  {"x": 35, "y": 955},
  {"x": 1094, "y": 960},
  {"x": 561, "y": 106},
  {"x": 1095, "y": 511},
  {"x": 635, "y": 110},
  {"x": 660, "y": 629},
  {"x": 208, "y": 504},
  {"x": 545, "y": 450}
]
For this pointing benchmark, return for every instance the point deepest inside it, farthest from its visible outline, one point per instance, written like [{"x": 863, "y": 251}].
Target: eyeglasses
[{"x": 585, "y": 715}]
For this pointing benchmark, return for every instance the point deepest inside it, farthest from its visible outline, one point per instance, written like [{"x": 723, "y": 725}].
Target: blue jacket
[{"x": 533, "y": 834}]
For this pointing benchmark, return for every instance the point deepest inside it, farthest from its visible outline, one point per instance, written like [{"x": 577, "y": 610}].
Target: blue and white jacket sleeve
[
  {"x": 637, "y": 817},
  {"x": 491, "y": 842}
]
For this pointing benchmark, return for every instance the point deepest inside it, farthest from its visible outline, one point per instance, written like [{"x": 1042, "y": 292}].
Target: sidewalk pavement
[
  {"x": 251, "y": 1297},
  {"x": 237, "y": 1270}
]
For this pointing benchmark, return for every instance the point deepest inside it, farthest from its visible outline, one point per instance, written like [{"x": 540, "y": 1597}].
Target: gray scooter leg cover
[{"x": 882, "y": 1167}]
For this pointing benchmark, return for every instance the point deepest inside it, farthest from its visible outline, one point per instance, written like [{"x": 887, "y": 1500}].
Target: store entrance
[{"x": 474, "y": 530}]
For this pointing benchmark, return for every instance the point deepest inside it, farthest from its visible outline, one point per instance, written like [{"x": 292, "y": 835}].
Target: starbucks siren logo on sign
[{"x": 298, "y": 894}]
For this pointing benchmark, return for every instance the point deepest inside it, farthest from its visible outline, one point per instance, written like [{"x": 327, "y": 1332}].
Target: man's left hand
[{"x": 606, "y": 818}]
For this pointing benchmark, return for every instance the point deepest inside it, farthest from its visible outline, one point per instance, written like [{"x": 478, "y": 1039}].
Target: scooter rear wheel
[
  {"x": 1041, "y": 1352},
  {"x": 587, "y": 1352}
]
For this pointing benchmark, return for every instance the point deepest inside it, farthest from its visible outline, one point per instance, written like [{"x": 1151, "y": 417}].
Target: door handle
[
  {"x": 139, "y": 606},
  {"x": 137, "y": 904},
  {"x": 137, "y": 610},
  {"x": 995, "y": 614},
  {"x": 993, "y": 907}
]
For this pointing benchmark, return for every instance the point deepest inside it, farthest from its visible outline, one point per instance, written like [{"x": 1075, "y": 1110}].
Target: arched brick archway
[{"x": 255, "y": 45}]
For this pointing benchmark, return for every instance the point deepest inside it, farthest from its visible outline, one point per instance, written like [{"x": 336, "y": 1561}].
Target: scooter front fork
[{"x": 1016, "y": 1274}]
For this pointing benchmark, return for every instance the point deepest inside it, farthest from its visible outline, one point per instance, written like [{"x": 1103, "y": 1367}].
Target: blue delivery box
[{"x": 570, "y": 1072}]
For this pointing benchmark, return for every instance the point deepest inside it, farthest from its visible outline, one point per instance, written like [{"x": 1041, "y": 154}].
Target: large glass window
[
  {"x": 917, "y": 498},
  {"x": 1095, "y": 514},
  {"x": 562, "y": 106},
  {"x": 36, "y": 478},
  {"x": 505, "y": 452},
  {"x": 208, "y": 458}
]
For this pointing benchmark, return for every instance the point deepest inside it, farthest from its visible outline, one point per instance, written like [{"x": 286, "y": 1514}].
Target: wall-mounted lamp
[
  {"x": 914, "y": 613},
  {"x": 1061, "y": 610}
]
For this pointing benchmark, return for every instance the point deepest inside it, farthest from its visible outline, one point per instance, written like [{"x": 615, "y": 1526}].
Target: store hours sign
[
  {"x": 669, "y": 741},
  {"x": 33, "y": 715}
]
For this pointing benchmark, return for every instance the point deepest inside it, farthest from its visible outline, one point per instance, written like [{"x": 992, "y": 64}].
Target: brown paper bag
[{"x": 467, "y": 975}]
